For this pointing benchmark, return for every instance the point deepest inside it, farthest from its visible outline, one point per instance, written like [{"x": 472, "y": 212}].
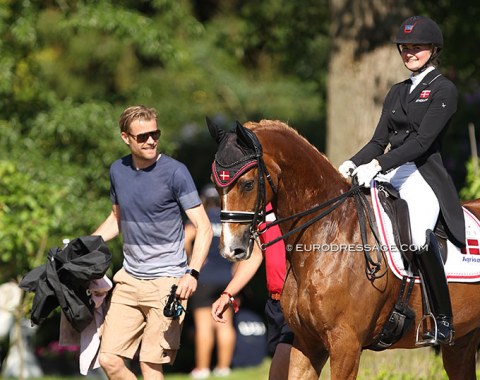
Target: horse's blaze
[{"x": 234, "y": 242}]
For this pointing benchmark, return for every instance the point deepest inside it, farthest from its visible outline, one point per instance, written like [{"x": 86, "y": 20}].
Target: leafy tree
[
  {"x": 67, "y": 71},
  {"x": 69, "y": 68},
  {"x": 471, "y": 190},
  {"x": 363, "y": 65},
  {"x": 29, "y": 210}
]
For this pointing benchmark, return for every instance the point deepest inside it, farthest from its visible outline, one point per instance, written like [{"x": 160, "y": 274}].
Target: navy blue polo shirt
[{"x": 150, "y": 203}]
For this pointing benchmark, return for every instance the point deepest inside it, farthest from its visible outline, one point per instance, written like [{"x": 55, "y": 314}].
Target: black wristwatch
[{"x": 193, "y": 272}]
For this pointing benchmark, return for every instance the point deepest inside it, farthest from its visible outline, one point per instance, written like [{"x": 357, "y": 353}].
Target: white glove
[
  {"x": 365, "y": 173},
  {"x": 346, "y": 167}
]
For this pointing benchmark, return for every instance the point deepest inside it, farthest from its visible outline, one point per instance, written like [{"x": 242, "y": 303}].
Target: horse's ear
[
  {"x": 217, "y": 133},
  {"x": 243, "y": 136}
]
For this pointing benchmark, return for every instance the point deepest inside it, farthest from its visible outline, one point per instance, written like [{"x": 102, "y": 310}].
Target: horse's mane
[
  {"x": 283, "y": 128},
  {"x": 316, "y": 175}
]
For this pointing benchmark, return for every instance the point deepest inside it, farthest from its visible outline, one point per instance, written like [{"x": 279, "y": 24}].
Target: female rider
[{"x": 415, "y": 115}]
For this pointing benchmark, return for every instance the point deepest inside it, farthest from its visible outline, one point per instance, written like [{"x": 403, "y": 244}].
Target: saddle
[
  {"x": 402, "y": 315},
  {"x": 397, "y": 210}
]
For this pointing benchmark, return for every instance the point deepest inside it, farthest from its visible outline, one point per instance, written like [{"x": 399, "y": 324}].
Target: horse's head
[
  {"x": 239, "y": 173},
  {"x": 259, "y": 163}
]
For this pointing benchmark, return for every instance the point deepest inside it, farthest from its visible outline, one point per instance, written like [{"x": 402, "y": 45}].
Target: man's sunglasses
[{"x": 143, "y": 137}]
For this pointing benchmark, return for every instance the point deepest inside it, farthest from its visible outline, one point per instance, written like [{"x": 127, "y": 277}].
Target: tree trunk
[{"x": 364, "y": 64}]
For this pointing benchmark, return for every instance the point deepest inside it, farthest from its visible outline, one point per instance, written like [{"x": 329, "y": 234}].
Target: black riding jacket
[{"x": 414, "y": 124}]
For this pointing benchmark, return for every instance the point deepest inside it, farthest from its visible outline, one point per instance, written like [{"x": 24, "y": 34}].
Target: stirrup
[
  {"x": 426, "y": 340},
  {"x": 421, "y": 325}
]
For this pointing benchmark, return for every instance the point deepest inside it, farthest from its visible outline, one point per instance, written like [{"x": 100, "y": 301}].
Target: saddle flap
[{"x": 397, "y": 210}]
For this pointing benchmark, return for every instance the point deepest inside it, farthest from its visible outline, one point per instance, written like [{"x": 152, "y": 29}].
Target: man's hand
[{"x": 186, "y": 286}]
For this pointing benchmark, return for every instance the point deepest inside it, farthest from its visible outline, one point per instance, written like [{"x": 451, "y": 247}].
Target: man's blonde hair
[{"x": 135, "y": 113}]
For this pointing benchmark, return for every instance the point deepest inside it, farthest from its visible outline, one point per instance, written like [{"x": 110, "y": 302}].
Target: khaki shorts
[{"x": 135, "y": 319}]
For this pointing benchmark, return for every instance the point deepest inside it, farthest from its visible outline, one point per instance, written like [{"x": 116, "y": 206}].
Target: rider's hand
[
  {"x": 346, "y": 168},
  {"x": 365, "y": 173}
]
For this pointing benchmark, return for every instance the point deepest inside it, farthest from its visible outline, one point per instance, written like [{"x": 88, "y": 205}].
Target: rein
[
  {"x": 335, "y": 202},
  {"x": 253, "y": 155},
  {"x": 364, "y": 212}
]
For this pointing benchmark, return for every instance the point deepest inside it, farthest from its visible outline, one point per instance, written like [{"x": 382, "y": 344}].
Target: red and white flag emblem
[
  {"x": 425, "y": 94},
  {"x": 224, "y": 175},
  {"x": 473, "y": 247}
]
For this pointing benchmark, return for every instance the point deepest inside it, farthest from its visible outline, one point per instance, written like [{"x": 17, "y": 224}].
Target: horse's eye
[{"x": 248, "y": 185}]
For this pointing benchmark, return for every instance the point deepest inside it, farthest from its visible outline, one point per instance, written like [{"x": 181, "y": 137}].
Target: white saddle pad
[{"x": 463, "y": 265}]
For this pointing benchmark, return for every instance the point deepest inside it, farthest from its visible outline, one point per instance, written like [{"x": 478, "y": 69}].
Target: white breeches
[{"x": 422, "y": 202}]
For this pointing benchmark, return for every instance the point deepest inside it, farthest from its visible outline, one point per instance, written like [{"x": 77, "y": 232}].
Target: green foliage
[
  {"x": 68, "y": 69},
  {"x": 28, "y": 211},
  {"x": 458, "y": 24},
  {"x": 472, "y": 185}
]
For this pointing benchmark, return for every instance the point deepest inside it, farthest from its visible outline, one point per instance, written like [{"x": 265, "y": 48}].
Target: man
[
  {"x": 279, "y": 335},
  {"x": 148, "y": 191}
]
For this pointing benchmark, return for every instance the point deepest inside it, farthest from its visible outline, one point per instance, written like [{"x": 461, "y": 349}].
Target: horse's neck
[
  {"x": 300, "y": 193},
  {"x": 308, "y": 179}
]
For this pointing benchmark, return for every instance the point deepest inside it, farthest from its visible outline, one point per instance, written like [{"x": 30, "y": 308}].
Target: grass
[
  {"x": 257, "y": 373},
  {"x": 419, "y": 364}
]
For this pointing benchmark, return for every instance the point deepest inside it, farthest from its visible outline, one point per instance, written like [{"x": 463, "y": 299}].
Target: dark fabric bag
[{"x": 64, "y": 280}]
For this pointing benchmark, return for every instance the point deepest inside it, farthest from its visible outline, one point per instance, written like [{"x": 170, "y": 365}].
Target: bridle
[{"x": 257, "y": 217}]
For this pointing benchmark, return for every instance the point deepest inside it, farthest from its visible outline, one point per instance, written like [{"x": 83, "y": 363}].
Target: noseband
[{"x": 237, "y": 216}]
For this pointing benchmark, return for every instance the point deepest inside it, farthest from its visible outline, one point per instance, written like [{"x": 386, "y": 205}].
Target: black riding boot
[{"x": 430, "y": 264}]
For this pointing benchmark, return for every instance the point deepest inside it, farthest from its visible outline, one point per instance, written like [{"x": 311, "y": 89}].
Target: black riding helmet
[{"x": 420, "y": 30}]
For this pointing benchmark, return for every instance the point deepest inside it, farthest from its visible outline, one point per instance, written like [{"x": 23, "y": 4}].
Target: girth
[{"x": 399, "y": 320}]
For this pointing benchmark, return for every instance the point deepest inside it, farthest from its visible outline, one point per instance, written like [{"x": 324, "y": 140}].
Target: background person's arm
[{"x": 243, "y": 274}]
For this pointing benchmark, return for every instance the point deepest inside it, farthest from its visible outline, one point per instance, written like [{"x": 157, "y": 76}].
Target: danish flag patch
[
  {"x": 224, "y": 175},
  {"x": 425, "y": 94},
  {"x": 473, "y": 247}
]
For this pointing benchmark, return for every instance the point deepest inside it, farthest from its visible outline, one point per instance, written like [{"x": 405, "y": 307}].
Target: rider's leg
[
  {"x": 430, "y": 264},
  {"x": 422, "y": 202},
  {"x": 424, "y": 210}
]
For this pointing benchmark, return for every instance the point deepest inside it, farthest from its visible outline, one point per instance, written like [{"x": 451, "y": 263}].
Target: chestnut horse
[{"x": 334, "y": 310}]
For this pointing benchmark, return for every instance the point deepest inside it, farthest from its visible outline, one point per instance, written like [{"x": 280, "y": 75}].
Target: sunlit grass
[{"x": 419, "y": 364}]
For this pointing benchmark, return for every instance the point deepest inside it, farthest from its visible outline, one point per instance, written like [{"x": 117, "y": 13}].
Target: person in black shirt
[{"x": 414, "y": 117}]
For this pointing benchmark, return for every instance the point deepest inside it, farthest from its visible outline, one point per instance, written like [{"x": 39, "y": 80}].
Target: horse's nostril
[{"x": 238, "y": 252}]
